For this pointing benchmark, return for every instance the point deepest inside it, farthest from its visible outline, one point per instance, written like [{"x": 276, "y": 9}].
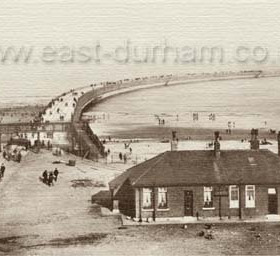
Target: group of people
[
  {"x": 123, "y": 157},
  {"x": 50, "y": 177},
  {"x": 14, "y": 155},
  {"x": 2, "y": 170}
]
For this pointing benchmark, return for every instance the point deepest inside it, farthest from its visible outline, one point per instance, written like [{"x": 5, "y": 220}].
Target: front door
[
  {"x": 272, "y": 201},
  {"x": 188, "y": 203}
]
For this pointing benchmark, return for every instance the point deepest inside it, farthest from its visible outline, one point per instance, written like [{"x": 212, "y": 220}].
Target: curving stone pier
[{"x": 70, "y": 106}]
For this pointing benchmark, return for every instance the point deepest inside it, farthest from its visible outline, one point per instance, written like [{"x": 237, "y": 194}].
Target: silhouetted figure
[
  {"x": 19, "y": 156},
  {"x": 45, "y": 176},
  {"x": 55, "y": 174},
  {"x": 50, "y": 180},
  {"x": 2, "y": 170},
  {"x": 120, "y": 156}
]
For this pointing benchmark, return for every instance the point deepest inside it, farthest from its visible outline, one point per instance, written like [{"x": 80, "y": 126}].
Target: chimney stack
[
  {"x": 174, "y": 141},
  {"x": 217, "y": 146},
  {"x": 278, "y": 140},
  {"x": 255, "y": 143}
]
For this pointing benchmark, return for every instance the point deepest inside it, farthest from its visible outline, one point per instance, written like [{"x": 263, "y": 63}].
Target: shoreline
[
  {"x": 162, "y": 133},
  {"x": 26, "y": 113}
]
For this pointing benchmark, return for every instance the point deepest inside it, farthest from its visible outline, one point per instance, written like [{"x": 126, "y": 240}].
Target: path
[{"x": 37, "y": 213}]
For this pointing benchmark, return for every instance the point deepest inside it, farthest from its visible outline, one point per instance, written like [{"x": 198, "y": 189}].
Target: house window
[
  {"x": 208, "y": 197},
  {"x": 147, "y": 198},
  {"x": 233, "y": 196},
  {"x": 162, "y": 198},
  {"x": 250, "y": 196}
]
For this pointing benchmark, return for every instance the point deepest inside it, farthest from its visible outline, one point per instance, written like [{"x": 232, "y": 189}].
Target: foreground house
[{"x": 204, "y": 183}]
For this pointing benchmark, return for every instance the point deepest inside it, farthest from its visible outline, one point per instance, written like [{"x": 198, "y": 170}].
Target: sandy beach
[{"x": 162, "y": 133}]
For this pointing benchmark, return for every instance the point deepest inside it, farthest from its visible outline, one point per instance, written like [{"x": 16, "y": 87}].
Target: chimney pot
[
  {"x": 217, "y": 135},
  {"x": 255, "y": 143},
  {"x": 217, "y": 145},
  {"x": 174, "y": 142}
]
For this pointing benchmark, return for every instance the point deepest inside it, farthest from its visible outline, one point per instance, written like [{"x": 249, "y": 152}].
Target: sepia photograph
[{"x": 139, "y": 127}]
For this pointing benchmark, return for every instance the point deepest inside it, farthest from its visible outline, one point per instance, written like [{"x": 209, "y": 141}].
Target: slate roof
[{"x": 201, "y": 167}]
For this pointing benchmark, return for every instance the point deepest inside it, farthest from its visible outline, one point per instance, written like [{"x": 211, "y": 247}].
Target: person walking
[
  {"x": 56, "y": 172},
  {"x": 19, "y": 156},
  {"x": 45, "y": 176},
  {"x": 50, "y": 180},
  {"x": 2, "y": 170}
]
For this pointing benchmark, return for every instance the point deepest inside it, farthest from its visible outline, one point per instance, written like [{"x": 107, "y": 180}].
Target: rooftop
[{"x": 201, "y": 167}]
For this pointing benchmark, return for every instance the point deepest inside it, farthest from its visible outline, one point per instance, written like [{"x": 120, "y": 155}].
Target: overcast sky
[{"x": 56, "y": 23}]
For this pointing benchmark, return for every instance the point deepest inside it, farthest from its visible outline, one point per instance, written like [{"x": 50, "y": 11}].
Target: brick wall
[
  {"x": 175, "y": 197},
  {"x": 126, "y": 197}
]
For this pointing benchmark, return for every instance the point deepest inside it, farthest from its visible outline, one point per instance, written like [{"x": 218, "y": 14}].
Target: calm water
[
  {"x": 244, "y": 103},
  {"x": 72, "y": 23}
]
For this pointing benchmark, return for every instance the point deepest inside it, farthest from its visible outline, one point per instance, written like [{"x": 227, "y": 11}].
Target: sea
[
  {"x": 57, "y": 33},
  {"x": 231, "y": 104}
]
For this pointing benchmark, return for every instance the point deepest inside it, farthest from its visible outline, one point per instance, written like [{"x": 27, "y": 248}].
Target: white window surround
[
  {"x": 233, "y": 196},
  {"x": 162, "y": 209},
  {"x": 250, "y": 196},
  {"x": 162, "y": 198},
  {"x": 208, "y": 209},
  {"x": 207, "y": 198},
  {"x": 272, "y": 191},
  {"x": 147, "y": 199}
]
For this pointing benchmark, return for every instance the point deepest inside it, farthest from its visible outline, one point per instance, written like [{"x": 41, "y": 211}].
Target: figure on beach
[
  {"x": 120, "y": 156},
  {"x": 45, "y": 176},
  {"x": 2, "y": 170},
  {"x": 212, "y": 117},
  {"x": 195, "y": 116},
  {"x": 19, "y": 156},
  {"x": 50, "y": 179},
  {"x": 56, "y": 172}
]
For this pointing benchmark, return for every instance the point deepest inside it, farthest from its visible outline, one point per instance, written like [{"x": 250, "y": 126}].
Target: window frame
[
  {"x": 165, "y": 195},
  {"x": 233, "y": 203},
  {"x": 146, "y": 191},
  {"x": 250, "y": 203},
  {"x": 208, "y": 189}
]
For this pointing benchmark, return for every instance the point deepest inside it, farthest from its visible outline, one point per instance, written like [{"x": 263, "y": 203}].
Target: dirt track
[{"x": 39, "y": 220}]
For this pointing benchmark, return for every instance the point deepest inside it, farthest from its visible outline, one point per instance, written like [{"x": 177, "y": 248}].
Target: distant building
[{"x": 241, "y": 183}]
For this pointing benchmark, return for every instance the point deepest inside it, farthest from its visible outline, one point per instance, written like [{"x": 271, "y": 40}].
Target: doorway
[
  {"x": 272, "y": 201},
  {"x": 188, "y": 203}
]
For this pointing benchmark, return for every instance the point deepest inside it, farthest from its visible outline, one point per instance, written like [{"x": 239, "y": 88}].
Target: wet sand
[{"x": 165, "y": 132}]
